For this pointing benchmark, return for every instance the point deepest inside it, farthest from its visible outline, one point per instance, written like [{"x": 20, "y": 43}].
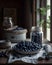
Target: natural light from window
[{"x": 48, "y": 21}]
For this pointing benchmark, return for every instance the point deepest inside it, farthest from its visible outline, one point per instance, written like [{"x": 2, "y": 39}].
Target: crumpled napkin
[{"x": 27, "y": 59}]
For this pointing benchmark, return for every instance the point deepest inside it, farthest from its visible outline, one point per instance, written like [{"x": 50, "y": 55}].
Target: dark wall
[
  {"x": 10, "y": 3},
  {"x": 1, "y": 20},
  {"x": 25, "y": 15}
]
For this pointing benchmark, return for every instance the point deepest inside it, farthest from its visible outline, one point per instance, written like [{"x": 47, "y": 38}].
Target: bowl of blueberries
[
  {"x": 27, "y": 47},
  {"x": 16, "y": 34}
]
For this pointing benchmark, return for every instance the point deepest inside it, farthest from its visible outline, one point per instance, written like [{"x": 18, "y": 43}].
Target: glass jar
[
  {"x": 7, "y": 22},
  {"x": 36, "y": 35}
]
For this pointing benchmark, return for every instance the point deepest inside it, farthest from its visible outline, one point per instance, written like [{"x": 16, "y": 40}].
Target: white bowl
[{"x": 16, "y": 36}]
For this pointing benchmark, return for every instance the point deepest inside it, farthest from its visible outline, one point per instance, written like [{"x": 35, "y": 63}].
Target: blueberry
[
  {"x": 28, "y": 50},
  {"x": 29, "y": 55},
  {"x": 23, "y": 44},
  {"x": 17, "y": 45},
  {"x": 13, "y": 57},
  {"x": 18, "y": 56},
  {"x": 2, "y": 54},
  {"x": 33, "y": 49},
  {"x": 44, "y": 54},
  {"x": 30, "y": 44},
  {"x": 36, "y": 48},
  {"x": 24, "y": 49}
]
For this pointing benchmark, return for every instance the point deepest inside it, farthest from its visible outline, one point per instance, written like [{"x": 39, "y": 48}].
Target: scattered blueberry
[
  {"x": 2, "y": 54},
  {"x": 13, "y": 57},
  {"x": 29, "y": 55}
]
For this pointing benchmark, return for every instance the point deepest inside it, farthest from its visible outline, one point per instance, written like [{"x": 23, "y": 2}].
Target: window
[{"x": 43, "y": 17}]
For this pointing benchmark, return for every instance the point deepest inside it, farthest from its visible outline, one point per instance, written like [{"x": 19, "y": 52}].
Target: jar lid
[{"x": 35, "y": 28}]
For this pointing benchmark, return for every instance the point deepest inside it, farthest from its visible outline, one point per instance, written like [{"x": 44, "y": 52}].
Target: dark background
[{"x": 19, "y": 10}]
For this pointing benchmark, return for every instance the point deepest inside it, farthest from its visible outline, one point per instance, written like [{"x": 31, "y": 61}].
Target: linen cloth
[{"x": 33, "y": 58}]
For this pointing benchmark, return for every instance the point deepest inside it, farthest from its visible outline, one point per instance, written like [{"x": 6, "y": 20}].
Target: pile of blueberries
[
  {"x": 18, "y": 28},
  {"x": 27, "y": 46}
]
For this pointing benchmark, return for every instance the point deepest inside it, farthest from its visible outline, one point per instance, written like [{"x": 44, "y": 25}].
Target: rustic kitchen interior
[{"x": 26, "y": 32}]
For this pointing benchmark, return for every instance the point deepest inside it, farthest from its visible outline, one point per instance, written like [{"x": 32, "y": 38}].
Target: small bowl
[{"x": 5, "y": 44}]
